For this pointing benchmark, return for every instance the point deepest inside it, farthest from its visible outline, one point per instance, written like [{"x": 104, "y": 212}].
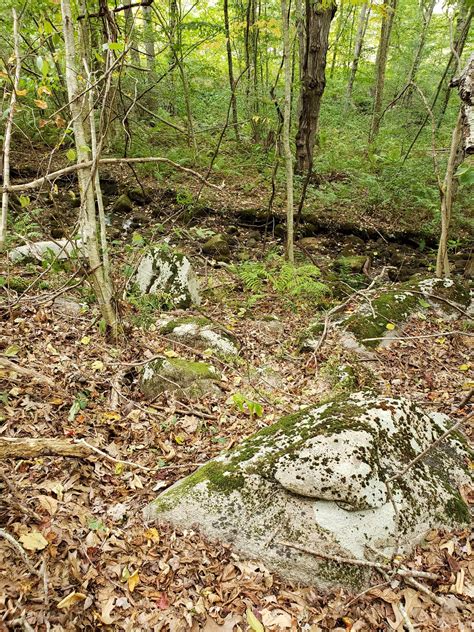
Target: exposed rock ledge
[{"x": 317, "y": 479}]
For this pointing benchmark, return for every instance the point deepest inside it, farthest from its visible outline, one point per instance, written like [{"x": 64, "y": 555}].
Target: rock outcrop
[
  {"x": 169, "y": 274},
  {"x": 200, "y": 333},
  {"x": 317, "y": 479},
  {"x": 192, "y": 379}
]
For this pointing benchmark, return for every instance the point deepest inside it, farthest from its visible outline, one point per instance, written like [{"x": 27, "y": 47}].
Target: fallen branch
[
  {"x": 21, "y": 370},
  {"x": 435, "y": 297},
  {"x": 398, "y": 570},
  {"x": 105, "y": 161},
  {"x": 19, "y": 549},
  {"x": 438, "y": 335}
]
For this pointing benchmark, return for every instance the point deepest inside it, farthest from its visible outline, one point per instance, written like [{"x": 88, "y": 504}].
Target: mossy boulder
[
  {"x": 122, "y": 205},
  {"x": 371, "y": 325},
  {"x": 351, "y": 263},
  {"x": 169, "y": 274},
  {"x": 39, "y": 251},
  {"x": 139, "y": 196},
  {"x": 217, "y": 246},
  {"x": 318, "y": 479},
  {"x": 165, "y": 375},
  {"x": 200, "y": 333}
]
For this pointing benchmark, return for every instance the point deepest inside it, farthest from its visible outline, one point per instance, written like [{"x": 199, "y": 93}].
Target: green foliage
[
  {"x": 244, "y": 404},
  {"x": 294, "y": 282}
]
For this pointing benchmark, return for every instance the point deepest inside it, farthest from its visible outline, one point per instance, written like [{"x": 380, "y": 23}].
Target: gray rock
[
  {"x": 200, "y": 333},
  {"x": 316, "y": 479},
  {"x": 351, "y": 263},
  {"x": 68, "y": 307},
  {"x": 168, "y": 273},
  {"x": 167, "y": 375},
  {"x": 217, "y": 246},
  {"x": 40, "y": 250}
]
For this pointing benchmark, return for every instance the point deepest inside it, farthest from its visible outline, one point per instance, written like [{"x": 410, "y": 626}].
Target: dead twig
[
  {"x": 19, "y": 549},
  {"x": 21, "y": 370}
]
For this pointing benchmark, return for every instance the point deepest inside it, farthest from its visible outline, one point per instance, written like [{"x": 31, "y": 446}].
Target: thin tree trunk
[
  {"x": 447, "y": 193},
  {"x": 286, "y": 133},
  {"x": 457, "y": 47},
  {"x": 340, "y": 25},
  {"x": 149, "y": 43},
  {"x": 381, "y": 65},
  {"x": 361, "y": 28},
  {"x": 8, "y": 131},
  {"x": 318, "y": 22},
  {"x": 129, "y": 29},
  {"x": 301, "y": 51},
  {"x": 426, "y": 14},
  {"x": 233, "y": 96},
  {"x": 88, "y": 220}
]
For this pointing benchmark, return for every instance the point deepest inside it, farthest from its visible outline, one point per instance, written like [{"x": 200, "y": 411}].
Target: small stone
[
  {"x": 139, "y": 196},
  {"x": 352, "y": 263},
  {"x": 217, "y": 245},
  {"x": 40, "y": 250},
  {"x": 122, "y": 205},
  {"x": 201, "y": 333}
]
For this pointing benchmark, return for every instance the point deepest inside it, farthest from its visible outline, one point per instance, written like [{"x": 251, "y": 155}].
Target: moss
[
  {"x": 200, "y": 321},
  {"x": 457, "y": 510},
  {"x": 15, "y": 283},
  {"x": 345, "y": 574},
  {"x": 350, "y": 263}
]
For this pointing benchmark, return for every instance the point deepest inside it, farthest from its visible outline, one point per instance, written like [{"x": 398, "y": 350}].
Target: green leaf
[
  {"x": 11, "y": 351},
  {"x": 253, "y": 622},
  {"x": 71, "y": 154},
  {"x": 24, "y": 201}
]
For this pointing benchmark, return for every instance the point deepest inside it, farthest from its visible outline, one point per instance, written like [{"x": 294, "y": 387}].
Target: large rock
[
  {"x": 217, "y": 246},
  {"x": 200, "y": 333},
  {"x": 317, "y": 478},
  {"x": 368, "y": 324},
  {"x": 192, "y": 379},
  {"x": 169, "y": 274},
  {"x": 40, "y": 250}
]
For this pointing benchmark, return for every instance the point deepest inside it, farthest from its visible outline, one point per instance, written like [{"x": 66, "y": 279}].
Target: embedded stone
[
  {"x": 169, "y": 274},
  {"x": 60, "y": 249},
  {"x": 122, "y": 205},
  {"x": 167, "y": 375},
  {"x": 319, "y": 479},
  {"x": 217, "y": 245},
  {"x": 200, "y": 333}
]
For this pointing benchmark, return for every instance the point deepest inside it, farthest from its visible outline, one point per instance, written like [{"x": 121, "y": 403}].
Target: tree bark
[
  {"x": 149, "y": 43},
  {"x": 88, "y": 221},
  {"x": 286, "y": 132},
  {"x": 340, "y": 27},
  {"x": 447, "y": 194},
  {"x": 129, "y": 29},
  {"x": 235, "y": 119},
  {"x": 381, "y": 65},
  {"x": 361, "y": 28},
  {"x": 318, "y": 22},
  {"x": 8, "y": 131}
]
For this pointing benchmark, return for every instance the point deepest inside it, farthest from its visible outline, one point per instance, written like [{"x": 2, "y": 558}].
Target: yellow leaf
[
  {"x": 133, "y": 580},
  {"x": 70, "y": 600},
  {"x": 179, "y": 439},
  {"x": 34, "y": 541},
  {"x": 98, "y": 365},
  {"x": 21, "y": 93},
  {"x": 110, "y": 415},
  {"x": 253, "y": 622},
  {"x": 440, "y": 341},
  {"x": 390, "y": 326},
  {"x": 43, "y": 90},
  {"x": 41, "y": 104},
  {"x": 56, "y": 401},
  {"x": 171, "y": 354},
  {"x": 464, "y": 367},
  {"x": 11, "y": 351},
  {"x": 125, "y": 574},
  {"x": 86, "y": 340},
  {"x": 152, "y": 534}
]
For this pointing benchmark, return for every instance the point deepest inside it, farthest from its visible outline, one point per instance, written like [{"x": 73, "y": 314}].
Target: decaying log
[{"x": 24, "y": 448}]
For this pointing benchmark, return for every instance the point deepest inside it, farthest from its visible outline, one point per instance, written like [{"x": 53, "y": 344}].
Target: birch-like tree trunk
[
  {"x": 447, "y": 193},
  {"x": 8, "y": 131},
  {"x": 286, "y": 132},
  {"x": 87, "y": 220},
  {"x": 339, "y": 29},
  {"x": 230, "y": 68},
  {"x": 381, "y": 65},
  {"x": 359, "y": 42},
  {"x": 149, "y": 42},
  {"x": 426, "y": 9},
  {"x": 318, "y": 22},
  {"x": 129, "y": 34}
]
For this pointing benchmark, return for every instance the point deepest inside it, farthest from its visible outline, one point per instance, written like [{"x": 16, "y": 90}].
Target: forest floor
[{"x": 97, "y": 565}]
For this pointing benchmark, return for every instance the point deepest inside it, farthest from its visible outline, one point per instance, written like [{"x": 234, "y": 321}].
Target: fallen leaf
[
  {"x": 71, "y": 600},
  {"x": 97, "y": 365},
  {"x": 390, "y": 326},
  {"x": 253, "y": 622},
  {"x": 133, "y": 581},
  {"x": 48, "y": 503},
  {"x": 152, "y": 534},
  {"x": 85, "y": 340},
  {"x": 11, "y": 351},
  {"x": 34, "y": 541}
]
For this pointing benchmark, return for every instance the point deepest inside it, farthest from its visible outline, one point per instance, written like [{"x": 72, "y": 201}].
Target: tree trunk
[
  {"x": 318, "y": 22},
  {"x": 340, "y": 27},
  {"x": 88, "y": 220},
  {"x": 447, "y": 194},
  {"x": 462, "y": 30},
  {"x": 230, "y": 67},
  {"x": 381, "y": 65},
  {"x": 426, "y": 14},
  {"x": 129, "y": 29},
  {"x": 361, "y": 28},
  {"x": 8, "y": 131},
  {"x": 286, "y": 132},
  {"x": 149, "y": 43}
]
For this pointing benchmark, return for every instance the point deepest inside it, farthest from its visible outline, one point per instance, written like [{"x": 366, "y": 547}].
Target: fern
[{"x": 253, "y": 275}]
